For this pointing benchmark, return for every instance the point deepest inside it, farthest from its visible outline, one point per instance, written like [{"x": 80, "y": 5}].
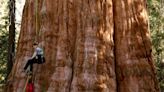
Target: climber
[{"x": 37, "y": 57}]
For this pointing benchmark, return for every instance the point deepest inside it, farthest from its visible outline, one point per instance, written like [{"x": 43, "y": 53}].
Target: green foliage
[
  {"x": 156, "y": 9},
  {"x": 3, "y": 40},
  {"x": 3, "y": 54}
]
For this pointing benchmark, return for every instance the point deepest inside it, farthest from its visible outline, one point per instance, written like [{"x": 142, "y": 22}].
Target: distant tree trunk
[
  {"x": 11, "y": 39},
  {"x": 89, "y": 45}
]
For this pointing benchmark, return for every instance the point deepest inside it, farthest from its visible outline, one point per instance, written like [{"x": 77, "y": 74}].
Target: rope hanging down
[
  {"x": 30, "y": 77},
  {"x": 26, "y": 83},
  {"x": 38, "y": 32},
  {"x": 36, "y": 20}
]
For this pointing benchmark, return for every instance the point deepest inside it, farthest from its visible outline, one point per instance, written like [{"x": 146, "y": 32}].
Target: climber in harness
[{"x": 37, "y": 57}]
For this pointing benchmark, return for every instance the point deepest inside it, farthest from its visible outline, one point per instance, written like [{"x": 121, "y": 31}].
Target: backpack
[{"x": 30, "y": 87}]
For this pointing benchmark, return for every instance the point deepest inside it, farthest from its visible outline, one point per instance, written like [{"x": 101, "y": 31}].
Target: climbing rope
[
  {"x": 31, "y": 76},
  {"x": 36, "y": 20},
  {"x": 27, "y": 80},
  {"x": 36, "y": 30}
]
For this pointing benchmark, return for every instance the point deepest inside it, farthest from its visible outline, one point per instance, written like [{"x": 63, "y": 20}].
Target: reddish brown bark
[
  {"x": 83, "y": 40},
  {"x": 134, "y": 65}
]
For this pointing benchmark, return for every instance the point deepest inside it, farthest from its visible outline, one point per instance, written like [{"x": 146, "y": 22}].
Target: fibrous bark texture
[
  {"x": 134, "y": 66},
  {"x": 89, "y": 46}
]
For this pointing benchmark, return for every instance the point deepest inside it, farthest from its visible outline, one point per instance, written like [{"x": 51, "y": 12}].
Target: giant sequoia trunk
[{"x": 89, "y": 45}]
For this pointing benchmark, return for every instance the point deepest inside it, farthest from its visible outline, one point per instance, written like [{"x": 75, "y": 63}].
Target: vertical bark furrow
[
  {"x": 61, "y": 76},
  {"x": 134, "y": 73},
  {"x": 94, "y": 45}
]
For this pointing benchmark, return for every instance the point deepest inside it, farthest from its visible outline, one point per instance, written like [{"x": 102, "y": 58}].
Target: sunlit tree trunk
[{"x": 86, "y": 45}]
